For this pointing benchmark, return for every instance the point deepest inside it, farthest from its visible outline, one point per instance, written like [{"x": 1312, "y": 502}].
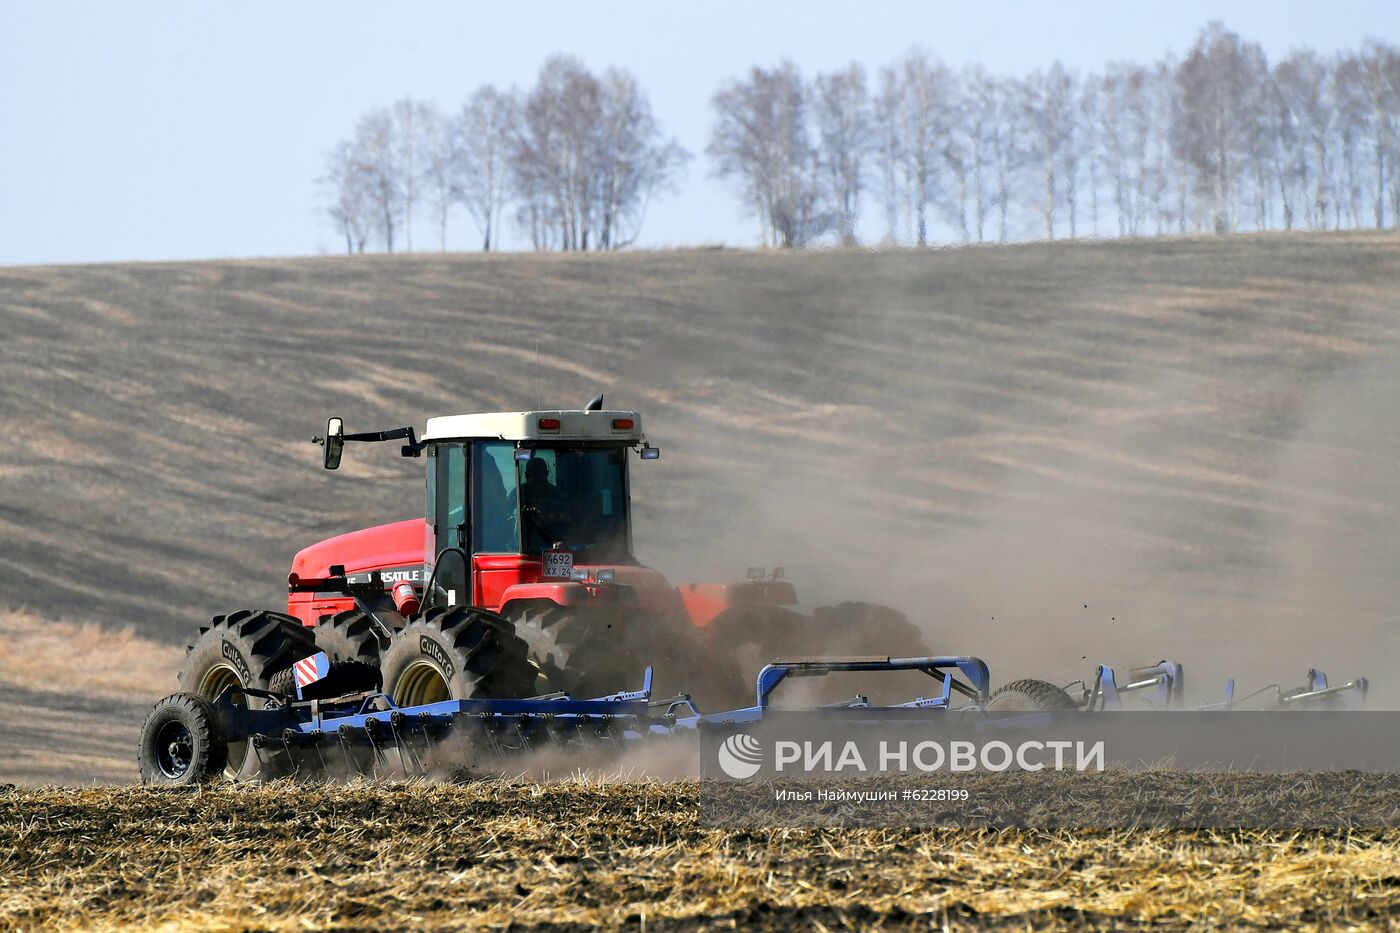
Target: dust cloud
[{"x": 1237, "y": 515}]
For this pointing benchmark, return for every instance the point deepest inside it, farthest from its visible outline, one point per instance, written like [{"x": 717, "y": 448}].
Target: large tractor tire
[
  {"x": 349, "y": 636},
  {"x": 181, "y": 742},
  {"x": 595, "y": 651},
  {"x": 456, "y": 654},
  {"x": 245, "y": 649},
  {"x": 741, "y": 640},
  {"x": 1022, "y": 696},
  {"x": 856, "y": 628}
]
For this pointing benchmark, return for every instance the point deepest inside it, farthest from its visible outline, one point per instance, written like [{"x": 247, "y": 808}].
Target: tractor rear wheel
[
  {"x": 349, "y": 636},
  {"x": 1021, "y": 696},
  {"x": 456, "y": 654},
  {"x": 594, "y": 651},
  {"x": 181, "y": 742},
  {"x": 741, "y": 640},
  {"x": 868, "y": 629},
  {"x": 243, "y": 649}
]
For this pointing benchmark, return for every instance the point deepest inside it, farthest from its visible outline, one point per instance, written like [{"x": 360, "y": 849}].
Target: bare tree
[
  {"x": 484, "y": 131},
  {"x": 377, "y": 163},
  {"x": 348, "y": 202},
  {"x": 1089, "y": 143},
  {"x": 958, "y": 159},
  {"x": 552, "y": 149},
  {"x": 436, "y": 145},
  {"x": 588, "y": 156},
  {"x": 1123, "y": 121},
  {"x": 631, "y": 160},
  {"x": 1348, "y": 94},
  {"x": 407, "y": 118},
  {"x": 1302, "y": 80},
  {"x": 1219, "y": 86},
  {"x": 843, "y": 123},
  {"x": 916, "y": 100},
  {"x": 1380, "y": 70},
  {"x": 984, "y": 117},
  {"x": 761, "y": 143},
  {"x": 1047, "y": 106}
]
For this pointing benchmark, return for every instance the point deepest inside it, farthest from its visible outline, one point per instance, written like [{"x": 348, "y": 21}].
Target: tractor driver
[
  {"x": 546, "y": 514},
  {"x": 537, "y": 486}
]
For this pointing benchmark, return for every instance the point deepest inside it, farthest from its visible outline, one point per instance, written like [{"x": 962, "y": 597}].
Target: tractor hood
[{"x": 396, "y": 546}]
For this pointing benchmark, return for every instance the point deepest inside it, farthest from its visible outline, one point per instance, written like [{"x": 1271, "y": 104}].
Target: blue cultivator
[
  {"x": 259, "y": 734},
  {"x": 1160, "y": 686}
]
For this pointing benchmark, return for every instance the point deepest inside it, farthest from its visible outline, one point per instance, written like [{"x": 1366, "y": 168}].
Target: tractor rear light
[
  {"x": 549, "y": 424},
  {"x": 293, "y": 578},
  {"x": 623, "y": 424}
]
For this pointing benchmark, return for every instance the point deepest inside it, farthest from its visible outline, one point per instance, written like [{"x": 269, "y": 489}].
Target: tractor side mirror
[
  {"x": 651, "y": 453},
  {"x": 335, "y": 442}
]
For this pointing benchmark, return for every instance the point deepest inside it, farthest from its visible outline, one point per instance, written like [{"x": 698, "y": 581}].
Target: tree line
[
  {"x": 577, "y": 158},
  {"x": 1219, "y": 139}
]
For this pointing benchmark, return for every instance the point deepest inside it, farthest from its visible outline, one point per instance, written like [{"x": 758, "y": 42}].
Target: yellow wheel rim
[{"x": 421, "y": 683}]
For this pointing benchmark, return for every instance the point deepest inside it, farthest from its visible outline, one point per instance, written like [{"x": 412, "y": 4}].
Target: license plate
[{"x": 558, "y": 564}]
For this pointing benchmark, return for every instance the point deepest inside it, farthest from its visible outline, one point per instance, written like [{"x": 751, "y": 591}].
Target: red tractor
[{"x": 520, "y": 580}]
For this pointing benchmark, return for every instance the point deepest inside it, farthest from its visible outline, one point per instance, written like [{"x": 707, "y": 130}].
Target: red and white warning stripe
[{"x": 309, "y": 670}]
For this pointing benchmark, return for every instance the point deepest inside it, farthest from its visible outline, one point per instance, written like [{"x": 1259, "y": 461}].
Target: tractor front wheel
[{"x": 243, "y": 649}]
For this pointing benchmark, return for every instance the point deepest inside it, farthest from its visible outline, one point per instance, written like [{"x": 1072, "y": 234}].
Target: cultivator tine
[
  {"x": 519, "y": 723},
  {"x": 371, "y": 730},
  {"x": 345, "y": 738},
  {"x": 402, "y": 745}
]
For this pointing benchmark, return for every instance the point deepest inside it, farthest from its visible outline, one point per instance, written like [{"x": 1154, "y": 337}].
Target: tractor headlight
[{"x": 605, "y": 576}]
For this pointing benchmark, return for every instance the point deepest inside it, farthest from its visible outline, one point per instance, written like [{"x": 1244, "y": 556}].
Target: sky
[{"x": 154, "y": 131}]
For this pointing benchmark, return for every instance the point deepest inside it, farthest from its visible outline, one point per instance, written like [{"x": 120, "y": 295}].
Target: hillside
[{"x": 1109, "y": 451}]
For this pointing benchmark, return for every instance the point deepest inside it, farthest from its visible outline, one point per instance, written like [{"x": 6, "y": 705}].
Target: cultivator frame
[
  {"x": 1162, "y": 686},
  {"x": 366, "y": 734}
]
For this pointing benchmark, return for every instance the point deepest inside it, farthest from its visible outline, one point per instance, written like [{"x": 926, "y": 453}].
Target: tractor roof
[{"x": 623, "y": 426}]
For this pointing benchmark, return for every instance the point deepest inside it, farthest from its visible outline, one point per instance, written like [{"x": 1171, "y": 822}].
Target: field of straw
[{"x": 578, "y": 855}]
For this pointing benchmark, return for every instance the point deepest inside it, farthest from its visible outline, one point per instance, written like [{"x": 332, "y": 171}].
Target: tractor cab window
[
  {"x": 497, "y": 530},
  {"x": 575, "y": 498}
]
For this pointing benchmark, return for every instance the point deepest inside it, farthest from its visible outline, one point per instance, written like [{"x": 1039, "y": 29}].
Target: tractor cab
[
  {"x": 535, "y": 497},
  {"x": 520, "y": 506}
]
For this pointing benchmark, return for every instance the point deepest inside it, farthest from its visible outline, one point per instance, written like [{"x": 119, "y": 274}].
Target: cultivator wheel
[
  {"x": 181, "y": 742},
  {"x": 243, "y": 649},
  {"x": 456, "y": 654},
  {"x": 1029, "y": 696},
  {"x": 350, "y": 636}
]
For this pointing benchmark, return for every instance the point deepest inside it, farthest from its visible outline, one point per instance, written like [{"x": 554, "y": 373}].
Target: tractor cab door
[
  {"x": 473, "y": 520},
  {"x": 448, "y": 548}
]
